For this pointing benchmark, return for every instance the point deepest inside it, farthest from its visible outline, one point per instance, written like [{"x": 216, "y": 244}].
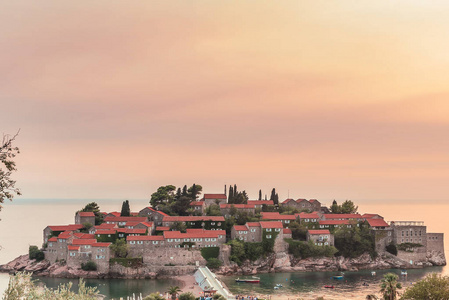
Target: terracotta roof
[
  {"x": 333, "y": 222},
  {"x": 197, "y": 203},
  {"x": 105, "y": 226},
  {"x": 134, "y": 214},
  {"x": 287, "y": 231},
  {"x": 53, "y": 239},
  {"x": 198, "y": 233},
  {"x": 162, "y": 228},
  {"x": 215, "y": 196},
  {"x": 240, "y": 228},
  {"x": 144, "y": 238},
  {"x": 147, "y": 224},
  {"x": 107, "y": 231},
  {"x": 323, "y": 231},
  {"x": 369, "y": 216},
  {"x": 193, "y": 218},
  {"x": 237, "y": 205},
  {"x": 132, "y": 231},
  {"x": 158, "y": 211},
  {"x": 64, "y": 235},
  {"x": 313, "y": 200},
  {"x": 301, "y": 200},
  {"x": 304, "y": 215},
  {"x": 102, "y": 245},
  {"x": 125, "y": 219},
  {"x": 83, "y": 241},
  {"x": 261, "y": 202},
  {"x": 272, "y": 224},
  {"x": 253, "y": 224},
  {"x": 71, "y": 247},
  {"x": 71, "y": 227},
  {"x": 276, "y": 216},
  {"x": 81, "y": 235},
  {"x": 86, "y": 214},
  {"x": 377, "y": 223},
  {"x": 287, "y": 201},
  {"x": 132, "y": 223},
  {"x": 114, "y": 213},
  {"x": 342, "y": 216}
]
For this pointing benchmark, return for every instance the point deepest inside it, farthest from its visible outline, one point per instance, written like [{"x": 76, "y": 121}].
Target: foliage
[
  {"x": 236, "y": 197},
  {"x": 213, "y": 263},
  {"x": 301, "y": 249},
  {"x": 218, "y": 297},
  {"x": 178, "y": 226},
  {"x": 126, "y": 210},
  {"x": 89, "y": 266},
  {"x": 120, "y": 248},
  {"x": 21, "y": 286},
  {"x": 86, "y": 227},
  {"x": 181, "y": 205},
  {"x": 391, "y": 248},
  {"x": 186, "y": 296},
  {"x": 164, "y": 194},
  {"x": 354, "y": 241},
  {"x": 389, "y": 286},
  {"x": 154, "y": 296},
  {"x": 408, "y": 246},
  {"x": 348, "y": 207},
  {"x": 173, "y": 291},
  {"x": 7, "y": 166},
  {"x": 299, "y": 231},
  {"x": 210, "y": 252},
  {"x": 194, "y": 191},
  {"x": 93, "y": 207},
  {"x": 253, "y": 251},
  {"x": 238, "y": 254},
  {"x": 432, "y": 287},
  {"x": 128, "y": 262},
  {"x": 213, "y": 210},
  {"x": 275, "y": 197},
  {"x": 175, "y": 202},
  {"x": 35, "y": 253}
]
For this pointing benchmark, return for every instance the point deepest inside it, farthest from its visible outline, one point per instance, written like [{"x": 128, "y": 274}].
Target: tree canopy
[
  {"x": 348, "y": 207},
  {"x": 93, "y": 207},
  {"x": 7, "y": 166},
  {"x": 389, "y": 286},
  {"x": 126, "y": 210},
  {"x": 432, "y": 287}
]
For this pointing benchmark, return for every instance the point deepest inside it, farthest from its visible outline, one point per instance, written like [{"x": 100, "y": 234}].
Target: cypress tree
[
  {"x": 235, "y": 190},
  {"x": 276, "y": 199},
  {"x": 260, "y": 194},
  {"x": 184, "y": 190},
  {"x": 273, "y": 194},
  {"x": 126, "y": 211},
  {"x": 231, "y": 195},
  {"x": 178, "y": 193}
]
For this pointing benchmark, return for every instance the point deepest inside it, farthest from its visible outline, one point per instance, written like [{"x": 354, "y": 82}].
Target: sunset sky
[{"x": 320, "y": 99}]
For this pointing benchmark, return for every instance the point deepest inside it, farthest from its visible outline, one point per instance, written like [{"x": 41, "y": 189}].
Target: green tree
[
  {"x": 126, "y": 211},
  {"x": 231, "y": 194},
  {"x": 120, "y": 248},
  {"x": 218, "y": 297},
  {"x": 335, "y": 208},
  {"x": 299, "y": 231},
  {"x": 93, "y": 207},
  {"x": 173, "y": 291},
  {"x": 184, "y": 191},
  {"x": 213, "y": 263},
  {"x": 389, "y": 286},
  {"x": 260, "y": 194},
  {"x": 354, "y": 241},
  {"x": 187, "y": 296},
  {"x": 194, "y": 191},
  {"x": 7, "y": 166},
  {"x": 35, "y": 253},
  {"x": 348, "y": 207},
  {"x": 213, "y": 210},
  {"x": 163, "y": 195},
  {"x": 181, "y": 205},
  {"x": 241, "y": 198},
  {"x": 237, "y": 251},
  {"x": 432, "y": 287},
  {"x": 154, "y": 296},
  {"x": 178, "y": 226}
]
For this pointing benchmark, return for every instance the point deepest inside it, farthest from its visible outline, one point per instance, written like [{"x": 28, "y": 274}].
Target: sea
[{"x": 23, "y": 220}]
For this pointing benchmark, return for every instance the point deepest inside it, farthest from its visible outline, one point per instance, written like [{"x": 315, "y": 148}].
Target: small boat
[
  {"x": 329, "y": 286},
  {"x": 373, "y": 273},
  {"x": 338, "y": 277},
  {"x": 404, "y": 272},
  {"x": 253, "y": 280}
]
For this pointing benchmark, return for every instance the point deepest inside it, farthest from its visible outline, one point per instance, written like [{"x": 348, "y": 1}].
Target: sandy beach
[{"x": 189, "y": 285}]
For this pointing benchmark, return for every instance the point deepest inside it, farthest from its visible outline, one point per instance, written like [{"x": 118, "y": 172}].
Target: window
[
  {"x": 177, "y": 240},
  {"x": 132, "y": 242},
  {"x": 268, "y": 236},
  {"x": 219, "y": 224},
  {"x": 140, "y": 242},
  {"x": 287, "y": 221},
  {"x": 50, "y": 244},
  {"x": 268, "y": 229},
  {"x": 154, "y": 242},
  {"x": 321, "y": 226},
  {"x": 402, "y": 233},
  {"x": 72, "y": 253},
  {"x": 253, "y": 230},
  {"x": 169, "y": 240},
  {"x": 212, "y": 223},
  {"x": 326, "y": 243},
  {"x": 277, "y": 229}
]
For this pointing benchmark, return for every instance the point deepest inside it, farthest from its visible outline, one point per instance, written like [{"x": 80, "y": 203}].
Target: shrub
[
  {"x": 89, "y": 266},
  {"x": 409, "y": 247},
  {"x": 391, "y": 248},
  {"x": 133, "y": 262},
  {"x": 213, "y": 263},
  {"x": 301, "y": 249},
  {"x": 186, "y": 296},
  {"x": 210, "y": 252},
  {"x": 218, "y": 297},
  {"x": 154, "y": 296},
  {"x": 35, "y": 253}
]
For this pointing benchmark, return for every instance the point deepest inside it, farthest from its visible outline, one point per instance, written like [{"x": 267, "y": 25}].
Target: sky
[{"x": 319, "y": 99}]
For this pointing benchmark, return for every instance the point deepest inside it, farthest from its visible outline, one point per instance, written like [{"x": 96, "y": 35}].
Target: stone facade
[
  {"x": 153, "y": 215},
  {"x": 85, "y": 217},
  {"x": 320, "y": 237},
  {"x": 409, "y": 232},
  {"x": 250, "y": 232},
  {"x": 210, "y": 199},
  {"x": 244, "y": 208}
]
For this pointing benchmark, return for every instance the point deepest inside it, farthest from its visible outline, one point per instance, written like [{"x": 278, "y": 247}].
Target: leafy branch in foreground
[{"x": 7, "y": 166}]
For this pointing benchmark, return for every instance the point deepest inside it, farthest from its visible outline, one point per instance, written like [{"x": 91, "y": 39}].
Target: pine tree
[
  {"x": 178, "y": 193},
  {"x": 260, "y": 194},
  {"x": 184, "y": 190}
]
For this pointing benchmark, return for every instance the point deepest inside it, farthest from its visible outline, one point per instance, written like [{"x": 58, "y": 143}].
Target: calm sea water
[{"x": 22, "y": 222}]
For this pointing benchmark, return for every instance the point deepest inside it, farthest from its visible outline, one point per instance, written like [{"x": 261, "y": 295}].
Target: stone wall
[
  {"x": 382, "y": 238},
  {"x": 435, "y": 242},
  {"x": 412, "y": 258},
  {"x": 174, "y": 256}
]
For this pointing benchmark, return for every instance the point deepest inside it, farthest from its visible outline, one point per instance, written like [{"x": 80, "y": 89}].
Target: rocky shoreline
[{"x": 277, "y": 262}]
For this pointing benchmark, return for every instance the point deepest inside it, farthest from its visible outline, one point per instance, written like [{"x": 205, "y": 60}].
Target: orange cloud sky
[{"x": 322, "y": 99}]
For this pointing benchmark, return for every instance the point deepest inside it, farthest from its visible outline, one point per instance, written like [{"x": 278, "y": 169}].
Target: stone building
[
  {"x": 258, "y": 204},
  {"x": 56, "y": 230},
  {"x": 349, "y": 217},
  {"x": 210, "y": 199},
  {"x": 412, "y": 232},
  {"x": 121, "y": 221},
  {"x": 244, "y": 208},
  {"x": 304, "y": 217},
  {"x": 82, "y": 217},
  {"x": 303, "y": 204},
  {"x": 153, "y": 215},
  {"x": 206, "y": 222},
  {"x": 320, "y": 237},
  {"x": 382, "y": 232},
  {"x": 275, "y": 216},
  {"x": 199, "y": 207}
]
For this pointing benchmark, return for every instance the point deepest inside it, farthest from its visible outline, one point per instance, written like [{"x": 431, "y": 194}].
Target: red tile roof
[
  {"x": 287, "y": 201},
  {"x": 333, "y": 222},
  {"x": 253, "y": 224},
  {"x": 108, "y": 231},
  {"x": 369, "y": 216},
  {"x": 71, "y": 247},
  {"x": 162, "y": 228},
  {"x": 158, "y": 211},
  {"x": 377, "y": 223},
  {"x": 241, "y": 206},
  {"x": 193, "y": 218},
  {"x": 144, "y": 238},
  {"x": 215, "y": 196},
  {"x": 132, "y": 231},
  {"x": 105, "y": 226},
  {"x": 240, "y": 228},
  {"x": 271, "y": 224},
  {"x": 197, "y": 203},
  {"x": 304, "y": 215},
  {"x": 313, "y": 200},
  {"x": 301, "y": 200},
  {"x": 147, "y": 224},
  {"x": 81, "y": 235},
  {"x": 53, "y": 239},
  {"x": 71, "y": 227},
  {"x": 125, "y": 219},
  {"x": 342, "y": 216},
  {"x": 261, "y": 202},
  {"x": 114, "y": 213},
  {"x": 198, "y": 233},
  {"x": 287, "y": 231},
  {"x": 102, "y": 245},
  {"x": 323, "y": 231},
  {"x": 276, "y": 216},
  {"x": 64, "y": 235},
  {"x": 83, "y": 241},
  {"x": 132, "y": 223},
  {"x": 86, "y": 214}
]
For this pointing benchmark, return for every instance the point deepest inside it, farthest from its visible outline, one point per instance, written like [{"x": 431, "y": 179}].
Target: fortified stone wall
[
  {"x": 418, "y": 255},
  {"x": 382, "y": 238},
  {"x": 435, "y": 242},
  {"x": 175, "y": 256}
]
